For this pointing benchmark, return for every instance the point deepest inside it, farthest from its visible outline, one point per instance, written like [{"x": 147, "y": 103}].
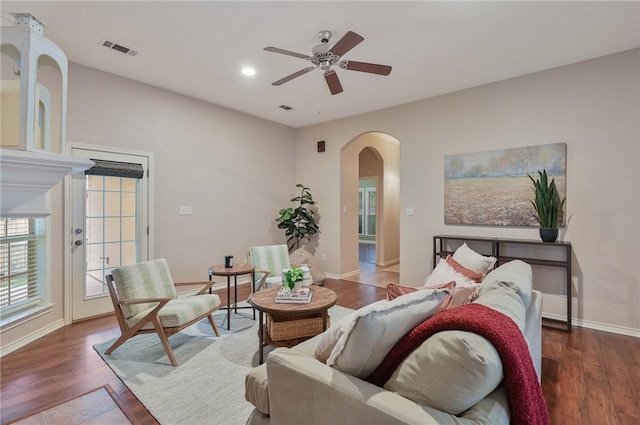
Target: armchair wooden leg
[
  {"x": 213, "y": 324},
  {"x": 125, "y": 336},
  {"x": 165, "y": 341}
]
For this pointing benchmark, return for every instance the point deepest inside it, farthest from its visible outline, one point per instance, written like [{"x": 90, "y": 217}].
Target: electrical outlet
[
  {"x": 563, "y": 291},
  {"x": 324, "y": 257},
  {"x": 185, "y": 210}
]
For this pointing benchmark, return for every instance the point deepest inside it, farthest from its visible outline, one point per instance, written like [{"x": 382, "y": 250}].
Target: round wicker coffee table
[{"x": 296, "y": 322}]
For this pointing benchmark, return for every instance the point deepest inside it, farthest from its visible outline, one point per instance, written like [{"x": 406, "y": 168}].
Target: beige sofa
[{"x": 292, "y": 387}]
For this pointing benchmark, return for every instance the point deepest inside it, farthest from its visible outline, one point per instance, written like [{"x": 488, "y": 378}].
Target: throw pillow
[
  {"x": 330, "y": 337},
  {"x": 476, "y": 277},
  {"x": 444, "y": 273},
  {"x": 451, "y": 371},
  {"x": 474, "y": 261},
  {"x": 463, "y": 296},
  {"x": 376, "y": 328},
  {"x": 394, "y": 291}
]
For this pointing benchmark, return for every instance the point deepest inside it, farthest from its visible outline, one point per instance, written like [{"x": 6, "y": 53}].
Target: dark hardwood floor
[{"x": 589, "y": 377}]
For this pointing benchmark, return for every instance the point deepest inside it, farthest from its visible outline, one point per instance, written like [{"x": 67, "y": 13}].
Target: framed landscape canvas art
[{"x": 492, "y": 188}]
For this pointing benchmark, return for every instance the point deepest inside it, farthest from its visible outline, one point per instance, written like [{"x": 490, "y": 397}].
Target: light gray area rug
[{"x": 207, "y": 387}]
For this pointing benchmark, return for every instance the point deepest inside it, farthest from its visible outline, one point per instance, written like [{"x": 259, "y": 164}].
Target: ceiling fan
[{"x": 325, "y": 56}]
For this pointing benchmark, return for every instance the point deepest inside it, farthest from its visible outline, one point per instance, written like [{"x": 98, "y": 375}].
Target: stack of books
[{"x": 301, "y": 296}]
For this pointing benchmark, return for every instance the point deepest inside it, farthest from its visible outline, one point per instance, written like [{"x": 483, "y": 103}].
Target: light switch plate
[{"x": 409, "y": 211}]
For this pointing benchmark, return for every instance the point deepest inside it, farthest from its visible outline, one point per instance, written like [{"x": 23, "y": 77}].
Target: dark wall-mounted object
[{"x": 321, "y": 146}]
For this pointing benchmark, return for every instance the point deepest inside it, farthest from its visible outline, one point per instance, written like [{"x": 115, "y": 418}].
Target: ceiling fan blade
[
  {"x": 286, "y": 52},
  {"x": 372, "y": 68},
  {"x": 346, "y": 43},
  {"x": 292, "y": 76},
  {"x": 333, "y": 81}
]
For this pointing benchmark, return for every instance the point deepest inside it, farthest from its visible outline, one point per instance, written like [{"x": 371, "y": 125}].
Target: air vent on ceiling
[
  {"x": 285, "y": 107},
  {"x": 118, "y": 47}
]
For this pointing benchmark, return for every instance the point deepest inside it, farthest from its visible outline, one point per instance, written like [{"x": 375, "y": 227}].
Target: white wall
[
  {"x": 593, "y": 106},
  {"x": 224, "y": 164}
]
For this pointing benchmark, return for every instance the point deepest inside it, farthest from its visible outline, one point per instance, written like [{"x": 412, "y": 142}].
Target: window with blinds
[{"x": 21, "y": 259}]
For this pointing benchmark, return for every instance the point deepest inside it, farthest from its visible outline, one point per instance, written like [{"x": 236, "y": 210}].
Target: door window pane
[{"x": 110, "y": 228}]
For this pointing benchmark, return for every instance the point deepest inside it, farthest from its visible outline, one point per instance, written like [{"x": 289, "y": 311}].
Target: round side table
[
  {"x": 265, "y": 302},
  {"x": 235, "y": 271}
]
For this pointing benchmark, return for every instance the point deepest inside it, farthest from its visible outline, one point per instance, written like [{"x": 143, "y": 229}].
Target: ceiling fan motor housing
[{"x": 324, "y": 36}]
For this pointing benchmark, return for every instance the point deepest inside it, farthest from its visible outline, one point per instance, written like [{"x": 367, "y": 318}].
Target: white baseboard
[
  {"x": 621, "y": 330},
  {"x": 27, "y": 339},
  {"x": 388, "y": 263},
  {"x": 343, "y": 275}
]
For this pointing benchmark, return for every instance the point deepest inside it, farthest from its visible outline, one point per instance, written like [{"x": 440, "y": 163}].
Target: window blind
[
  {"x": 20, "y": 260},
  {"x": 115, "y": 169}
]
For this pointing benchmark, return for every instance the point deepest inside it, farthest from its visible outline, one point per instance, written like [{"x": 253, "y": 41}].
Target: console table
[{"x": 440, "y": 251}]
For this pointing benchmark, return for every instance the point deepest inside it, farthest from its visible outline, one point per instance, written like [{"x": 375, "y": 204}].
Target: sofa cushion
[
  {"x": 256, "y": 390},
  {"x": 515, "y": 274},
  {"x": 374, "y": 330},
  {"x": 452, "y": 371},
  {"x": 180, "y": 311},
  {"x": 504, "y": 299},
  {"x": 444, "y": 273},
  {"x": 474, "y": 261}
]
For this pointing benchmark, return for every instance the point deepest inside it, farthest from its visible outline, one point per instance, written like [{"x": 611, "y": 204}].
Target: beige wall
[
  {"x": 593, "y": 106},
  {"x": 224, "y": 164}
]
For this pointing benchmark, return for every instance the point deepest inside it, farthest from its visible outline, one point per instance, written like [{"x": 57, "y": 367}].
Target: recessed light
[{"x": 248, "y": 71}]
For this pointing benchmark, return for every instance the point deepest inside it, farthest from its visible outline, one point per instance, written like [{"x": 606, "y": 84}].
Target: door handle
[{"x": 78, "y": 242}]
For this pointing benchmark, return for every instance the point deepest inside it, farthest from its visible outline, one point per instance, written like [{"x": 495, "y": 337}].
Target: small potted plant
[
  {"x": 548, "y": 206},
  {"x": 292, "y": 278}
]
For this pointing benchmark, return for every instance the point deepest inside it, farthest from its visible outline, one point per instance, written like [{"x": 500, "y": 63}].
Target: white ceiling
[{"x": 199, "y": 48}]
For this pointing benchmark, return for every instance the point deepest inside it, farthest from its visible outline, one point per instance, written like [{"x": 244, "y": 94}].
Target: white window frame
[{"x": 12, "y": 317}]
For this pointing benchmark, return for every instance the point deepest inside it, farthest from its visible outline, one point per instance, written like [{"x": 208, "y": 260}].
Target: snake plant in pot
[{"x": 548, "y": 206}]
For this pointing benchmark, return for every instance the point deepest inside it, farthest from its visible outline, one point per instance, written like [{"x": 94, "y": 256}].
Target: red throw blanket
[{"x": 526, "y": 402}]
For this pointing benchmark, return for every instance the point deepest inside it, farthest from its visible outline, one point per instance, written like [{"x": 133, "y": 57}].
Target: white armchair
[
  {"x": 146, "y": 301},
  {"x": 269, "y": 261}
]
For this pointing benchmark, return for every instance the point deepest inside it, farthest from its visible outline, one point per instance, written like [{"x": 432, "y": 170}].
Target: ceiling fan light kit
[{"x": 325, "y": 56}]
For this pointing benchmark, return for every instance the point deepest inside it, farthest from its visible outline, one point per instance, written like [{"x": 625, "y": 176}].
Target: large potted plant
[
  {"x": 299, "y": 221},
  {"x": 548, "y": 206}
]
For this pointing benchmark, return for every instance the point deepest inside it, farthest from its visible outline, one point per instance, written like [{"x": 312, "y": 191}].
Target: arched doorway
[{"x": 373, "y": 158}]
